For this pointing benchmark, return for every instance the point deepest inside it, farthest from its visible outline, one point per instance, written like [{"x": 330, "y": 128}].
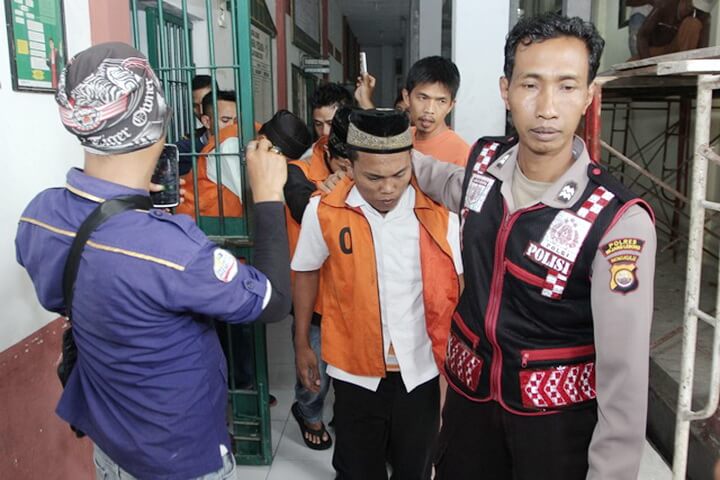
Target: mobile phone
[
  {"x": 363, "y": 63},
  {"x": 167, "y": 174}
]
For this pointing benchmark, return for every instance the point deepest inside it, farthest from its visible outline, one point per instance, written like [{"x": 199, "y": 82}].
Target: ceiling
[{"x": 377, "y": 22}]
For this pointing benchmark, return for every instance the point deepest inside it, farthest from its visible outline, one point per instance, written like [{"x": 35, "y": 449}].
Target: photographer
[{"x": 149, "y": 387}]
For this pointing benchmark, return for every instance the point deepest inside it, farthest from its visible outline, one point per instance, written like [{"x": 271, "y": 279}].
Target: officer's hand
[
  {"x": 267, "y": 171},
  {"x": 364, "y": 88},
  {"x": 306, "y": 365},
  {"x": 332, "y": 180},
  {"x": 156, "y": 187}
]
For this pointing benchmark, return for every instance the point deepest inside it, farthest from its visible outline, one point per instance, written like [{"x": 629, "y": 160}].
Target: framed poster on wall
[
  {"x": 36, "y": 39},
  {"x": 623, "y": 14},
  {"x": 262, "y": 77},
  {"x": 306, "y": 25}
]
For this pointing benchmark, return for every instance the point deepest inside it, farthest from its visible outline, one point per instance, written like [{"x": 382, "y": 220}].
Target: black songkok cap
[
  {"x": 337, "y": 141},
  {"x": 288, "y": 133},
  {"x": 381, "y": 130}
]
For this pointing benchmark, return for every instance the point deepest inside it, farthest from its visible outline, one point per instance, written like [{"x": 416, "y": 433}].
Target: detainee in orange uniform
[
  {"x": 391, "y": 257},
  {"x": 320, "y": 172},
  {"x": 324, "y": 102},
  {"x": 229, "y": 148},
  {"x": 430, "y": 90}
]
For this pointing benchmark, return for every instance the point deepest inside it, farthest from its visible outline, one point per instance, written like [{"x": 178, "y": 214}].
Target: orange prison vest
[
  {"x": 315, "y": 170},
  {"x": 209, "y": 204},
  {"x": 352, "y": 330}
]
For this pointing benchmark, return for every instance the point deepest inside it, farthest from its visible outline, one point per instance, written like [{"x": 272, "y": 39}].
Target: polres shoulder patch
[
  {"x": 623, "y": 244},
  {"x": 225, "y": 265}
]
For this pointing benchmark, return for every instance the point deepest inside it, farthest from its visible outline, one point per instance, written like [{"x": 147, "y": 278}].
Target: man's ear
[
  {"x": 590, "y": 95},
  {"x": 345, "y": 164},
  {"x": 406, "y": 96},
  {"x": 504, "y": 87},
  {"x": 452, "y": 105}
]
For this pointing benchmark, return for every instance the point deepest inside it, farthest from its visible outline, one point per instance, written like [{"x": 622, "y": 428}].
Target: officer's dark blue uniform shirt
[{"x": 149, "y": 387}]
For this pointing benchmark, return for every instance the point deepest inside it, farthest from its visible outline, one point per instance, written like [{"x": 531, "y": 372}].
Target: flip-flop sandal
[{"x": 304, "y": 429}]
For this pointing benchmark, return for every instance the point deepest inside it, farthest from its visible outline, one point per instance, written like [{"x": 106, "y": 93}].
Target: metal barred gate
[{"x": 183, "y": 38}]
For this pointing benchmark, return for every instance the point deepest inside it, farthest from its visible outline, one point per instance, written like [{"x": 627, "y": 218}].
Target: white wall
[
  {"x": 37, "y": 153},
  {"x": 479, "y": 30},
  {"x": 605, "y": 18}
]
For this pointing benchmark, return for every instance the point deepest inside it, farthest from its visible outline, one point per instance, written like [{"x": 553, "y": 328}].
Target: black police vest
[{"x": 522, "y": 333}]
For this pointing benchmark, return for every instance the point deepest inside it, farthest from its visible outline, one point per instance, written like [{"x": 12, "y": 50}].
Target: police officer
[
  {"x": 548, "y": 350},
  {"x": 149, "y": 386}
]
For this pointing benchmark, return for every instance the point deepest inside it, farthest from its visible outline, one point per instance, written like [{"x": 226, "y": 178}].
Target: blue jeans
[
  {"x": 107, "y": 469},
  {"x": 310, "y": 403}
]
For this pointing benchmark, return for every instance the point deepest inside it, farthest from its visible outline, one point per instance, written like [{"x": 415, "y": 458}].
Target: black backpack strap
[{"x": 98, "y": 216}]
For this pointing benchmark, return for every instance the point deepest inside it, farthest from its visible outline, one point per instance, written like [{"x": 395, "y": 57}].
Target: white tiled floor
[{"x": 294, "y": 461}]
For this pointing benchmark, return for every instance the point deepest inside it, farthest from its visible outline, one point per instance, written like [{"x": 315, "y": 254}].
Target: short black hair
[
  {"x": 434, "y": 69},
  {"x": 207, "y": 101},
  {"x": 337, "y": 140},
  {"x": 330, "y": 94},
  {"x": 202, "y": 81},
  {"x": 551, "y": 25}
]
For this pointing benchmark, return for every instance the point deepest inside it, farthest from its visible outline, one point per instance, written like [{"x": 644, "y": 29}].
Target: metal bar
[
  {"x": 189, "y": 71},
  {"x": 711, "y": 205},
  {"x": 714, "y": 391},
  {"x": 705, "y": 317},
  {"x": 710, "y": 154},
  {"x": 211, "y": 51},
  {"x": 163, "y": 51},
  {"x": 135, "y": 25},
  {"x": 244, "y": 60},
  {"x": 151, "y": 27},
  {"x": 693, "y": 276},
  {"x": 644, "y": 172},
  {"x": 241, "y": 114},
  {"x": 242, "y": 55}
]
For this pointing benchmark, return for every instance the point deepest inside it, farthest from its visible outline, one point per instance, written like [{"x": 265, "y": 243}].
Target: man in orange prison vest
[
  {"x": 227, "y": 155},
  {"x": 392, "y": 258},
  {"x": 320, "y": 172}
]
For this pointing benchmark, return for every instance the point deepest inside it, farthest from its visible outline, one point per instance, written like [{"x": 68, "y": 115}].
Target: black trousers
[
  {"x": 390, "y": 425},
  {"x": 484, "y": 441}
]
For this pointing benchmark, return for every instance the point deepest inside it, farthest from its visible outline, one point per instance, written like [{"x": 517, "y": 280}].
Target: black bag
[
  {"x": 98, "y": 216},
  {"x": 69, "y": 356}
]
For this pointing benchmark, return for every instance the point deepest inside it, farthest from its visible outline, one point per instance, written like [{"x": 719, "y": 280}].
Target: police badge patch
[
  {"x": 477, "y": 191},
  {"x": 225, "y": 265},
  {"x": 623, "y": 276},
  {"x": 566, "y": 235}
]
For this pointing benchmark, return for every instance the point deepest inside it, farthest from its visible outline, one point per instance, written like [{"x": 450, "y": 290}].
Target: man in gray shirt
[{"x": 548, "y": 350}]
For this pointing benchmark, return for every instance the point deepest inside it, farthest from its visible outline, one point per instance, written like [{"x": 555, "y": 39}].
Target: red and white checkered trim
[
  {"x": 463, "y": 363},
  {"x": 558, "y": 387},
  {"x": 555, "y": 282},
  {"x": 482, "y": 162},
  {"x": 592, "y": 207}
]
